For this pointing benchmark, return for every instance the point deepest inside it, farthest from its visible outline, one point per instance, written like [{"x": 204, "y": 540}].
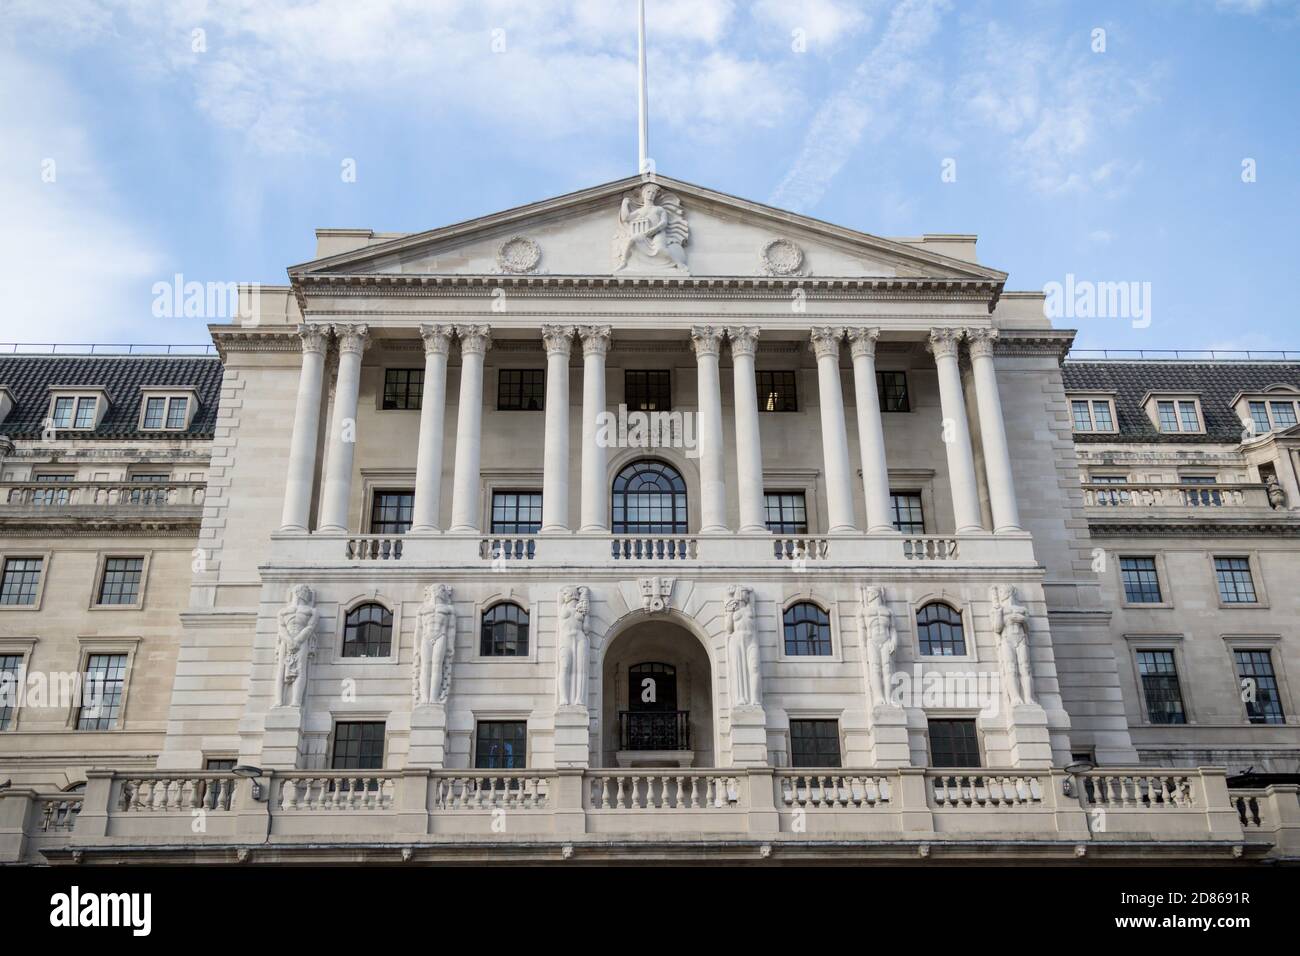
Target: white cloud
[{"x": 825, "y": 23}]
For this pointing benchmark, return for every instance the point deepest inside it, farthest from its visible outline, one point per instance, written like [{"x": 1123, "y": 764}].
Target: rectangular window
[
  {"x": 1283, "y": 414},
  {"x": 1168, "y": 418},
  {"x": 501, "y": 745},
  {"x": 908, "y": 515},
  {"x": 63, "y": 412},
  {"x": 176, "y": 409},
  {"x": 1259, "y": 415},
  {"x": 101, "y": 695},
  {"x": 1082, "y": 417},
  {"x": 892, "y": 387},
  {"x": 647, "y": 390},
  {"x": 521, "y": 389},
  {"x": 786, "y": 512},
  {"x": 1164, "y": 697},
  {"x": 121, "y": 581},
  {"x": 1106, "y": 497},
  {"x": 1141, "y": 581},
  {"x": 516, "y": 512},
  {"x": 1236, "y": 586},
  {"x": 11, "y": 676},
  {"x": 85, "y": 413},
  {"x": 358, "y": 745},
  {"x": 776, "y": 392},
  {"x": 390, "y": 511},
  {"x": 1259, "y": 687},
  {"x": 1187, "y": 415},
  {"x": 21, "y": 579},
  {"x": 403, "y": 388},
  {"x": 814, "y": 743},
  {"x": 219, "y": 764},
  {"x": 1101, "y": 415},
  {"x": 954, "y": 743},
  {"x": 153, "y": 412}
]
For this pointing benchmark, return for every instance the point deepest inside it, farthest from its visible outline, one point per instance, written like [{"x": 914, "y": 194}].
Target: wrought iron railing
[{"x": 654, "y": 730}]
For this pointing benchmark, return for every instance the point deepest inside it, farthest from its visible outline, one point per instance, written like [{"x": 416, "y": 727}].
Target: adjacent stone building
[{"x": 648, "y": 522}]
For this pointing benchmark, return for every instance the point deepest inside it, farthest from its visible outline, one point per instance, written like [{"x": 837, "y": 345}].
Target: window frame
[
  {"x": 517, "y": 492},
  {"x": 383, "y": 489},
  {"x": 481, "y": 610},
  {"x": 627, "y": 377},
  {"x": 790, "y": 374},
  {"x": 963, "y": 610},
  {"x": 45, "y": 558},
  {"x": 500, "y": 719},
  {"x": 1162, "y": 581},
  {"x": 919, "y": 495},
  {"x": 1177, "y": 674},
  {"x": 685, "y": 493},
  {"x": 91, "y": 646},
  {"x": 1178, "y": 400},
  {"x": 357, "y": 720},
  {"x": 1092, "y": 400},
  {"x": 1175, "y": 643},
  {"x": 981, "y": 753},
  {"x": 1256, "y": 579},
  {"x": 815, "y": 719},
  {"x": 882, "y": 393},
  {"x": 169, "y": 396},
  {"x": 831, "y": 610},
  {"x": 539, "y": 374},
  {"x": 395, "y": 639},
  {"x": 412, "y": 373},
  {"x": 78, "y": 395},
  {"x": 784, "y": 493},
  {"x": 1273, "y": 644},
  {"x": 23, "y": 649},
  {"x": 101, "y": 565}
]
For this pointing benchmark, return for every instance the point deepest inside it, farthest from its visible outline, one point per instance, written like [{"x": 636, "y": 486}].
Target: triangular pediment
[{"x": 678, "y": 229}]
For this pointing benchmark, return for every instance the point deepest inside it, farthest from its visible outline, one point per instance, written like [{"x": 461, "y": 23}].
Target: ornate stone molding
[
  {"x": 352, "y": 337},
  {"x": 862, "y": 341},
  {"x": 558, "y": 339},
  {"x": 706, "y": 339},
  {"x": 981, "y": 342},
  {"x": 474, "y": 339},
  {"x": 315, "y": 338},
  {"x": 945, "y": 342},
  {"x": 595, "y": 339},
  {"x": 656, "y": 594},
  {"x": 826, "y": 340},
  {"x": 743, "y": 339},
  {"x": 519, "y": 255},
  {"x": 437, "y": 338},
  {"x": 781, "y": 257}
]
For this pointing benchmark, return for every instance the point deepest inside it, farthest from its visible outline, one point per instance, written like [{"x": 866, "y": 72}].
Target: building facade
[{"x": 648, "y": 522}]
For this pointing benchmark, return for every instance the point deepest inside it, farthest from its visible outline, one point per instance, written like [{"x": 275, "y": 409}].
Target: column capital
[
  {"x": 352, "y": 337},
  {"x": 944, "y": 342},
  {"x": 981, "y": 342},
  {"x": 474, "y": 339},
  {"x": 706, "y": 340},
  {"x": 743, "y": 339},
  {"x": 595, "y": 339},
  {"x": 558, "y": 339},
  {"x": 826, "y": 340},
  {"x": 862, "y": 341},
  {"x": 315, "y": 338},
  {"x": 437, "y": 338}
]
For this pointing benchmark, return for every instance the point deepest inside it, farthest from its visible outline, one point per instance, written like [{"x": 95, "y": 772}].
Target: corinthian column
[
  {"x": 433, "y": 411},
  {"x": 944, "y": 343},
  {"x": 713, "y": 490},
  {"x": 835, "y": 439},
  {"x": 466, "y": 507},
  {"x": 555, "y": 457},
  {"x": 595, "y": 488},
  {"x": 306, "y": 426},
  {"x": 749, "y": 449},
  {"x": 352, "y": 341},
  {"x": 993, "y": 432},
  {"x": 871, "y": 432}
]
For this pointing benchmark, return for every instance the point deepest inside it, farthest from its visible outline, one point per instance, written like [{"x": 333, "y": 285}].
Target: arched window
[
  {"x": 938, "y": 627},
  {"x": 505, "y": 631},
  {"x": 807, "y": 630},
  {"x": 368, "y": 631},
  {"x": 649, "y": 498}
]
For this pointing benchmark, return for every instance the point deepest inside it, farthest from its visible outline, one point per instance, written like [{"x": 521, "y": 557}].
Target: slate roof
[
  {"x": 1216, "y": 383},
  {"x": 29, "y": 378}
]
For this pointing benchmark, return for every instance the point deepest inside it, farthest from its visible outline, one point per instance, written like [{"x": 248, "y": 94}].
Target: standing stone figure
[
  {"x": 572, "y": 647},
  {"x": 435, "y": 646},
  {"x": 742, "y": 647},
  {"x": 1273, "y": 488},
  {"x": 295, "y": 645},
  {"x": 1011, "y": 624},
  {"x": 656, "y": 225},
  {"x": 879, "y": 641}
]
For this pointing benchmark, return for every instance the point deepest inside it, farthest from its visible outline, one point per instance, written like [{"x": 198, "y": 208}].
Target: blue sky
[{"x": 1122, "y": 165}]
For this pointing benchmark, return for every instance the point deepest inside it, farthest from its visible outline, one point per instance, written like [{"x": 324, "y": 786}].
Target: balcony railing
[
  {"x": 1175, "y": 496},
  {"x": 654, "y": 730},
  {"x": 305, "y": 816}
]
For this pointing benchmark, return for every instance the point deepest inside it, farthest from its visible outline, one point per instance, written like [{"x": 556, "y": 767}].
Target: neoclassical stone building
[{"x": 648, "y": 522}]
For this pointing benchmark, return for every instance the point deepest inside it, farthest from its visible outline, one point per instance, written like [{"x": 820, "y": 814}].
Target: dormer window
[
  {"x": 1092, "y": 414},
  {"x": 1272, "y": 415},
  {"x": 82, "y": 412},
  {"x": 1175, "y": 414},
  {"x": 166, "y": 410}
]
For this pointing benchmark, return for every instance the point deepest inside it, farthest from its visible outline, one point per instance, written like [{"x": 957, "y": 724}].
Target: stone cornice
[
  {"x": 284, "y": 338},
  {"x": 1192, "y": 527},
  {"x": 125, "y": 526},
  {"x": 1054, "y": 342}
]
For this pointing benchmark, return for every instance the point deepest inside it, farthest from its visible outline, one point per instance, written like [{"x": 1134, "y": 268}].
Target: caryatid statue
[
  {"x": 742, "y": 647},
  {"x": 435, "y": 646},
  {"x": 879, "y": 641},
  {"x": 295, "y": 645},
  {"x": 656, "y": 226},
  {"x": 572, "y": 649},
  {"x": 1011, "y": 624}
]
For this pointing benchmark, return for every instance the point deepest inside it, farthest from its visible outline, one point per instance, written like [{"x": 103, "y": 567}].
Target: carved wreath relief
[
  {"x": 781, "y": 257},
  {"x": 519, "y": 255}
]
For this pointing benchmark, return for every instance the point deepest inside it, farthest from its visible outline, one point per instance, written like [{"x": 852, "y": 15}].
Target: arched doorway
[{"x": 657, "y": 698}]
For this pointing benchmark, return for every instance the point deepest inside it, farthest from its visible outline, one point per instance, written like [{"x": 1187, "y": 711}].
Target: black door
[
  {"x": 652, "y": 687},
  {"x": 652, "y": 721}
]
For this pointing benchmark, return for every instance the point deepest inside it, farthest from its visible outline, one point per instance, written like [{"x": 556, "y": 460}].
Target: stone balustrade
[
  {"x": 1168, "y": 495},
  {"x": 1115, "y": 814},
  {"x": 54, "y": 496}
]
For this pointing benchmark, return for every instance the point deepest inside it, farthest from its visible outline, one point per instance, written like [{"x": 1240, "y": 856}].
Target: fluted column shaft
[
  {"x": 595, "y": 488},
  {"x": 706, "y": 340},
  {"x": 466, "y": 496},
  {"x": 433, "y": 413},
  {"x": 352, "y": 341},
  {"x": 555, "y": 456},
  {"x": 944, "y": 343},
  {"x": 871, "y": 431},
  {"x": 749, "y": 449},
  {"x": 835, "y": 439},
  {"x": 306, "y": 429},
  {"x": 993, "y": 432}
]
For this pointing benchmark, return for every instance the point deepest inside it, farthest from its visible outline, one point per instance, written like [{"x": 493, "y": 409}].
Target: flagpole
[{"x": 643, "y": 138}]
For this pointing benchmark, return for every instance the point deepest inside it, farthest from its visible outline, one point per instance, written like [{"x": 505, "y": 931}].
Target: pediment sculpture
[{"x": 651, "y": 222}]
